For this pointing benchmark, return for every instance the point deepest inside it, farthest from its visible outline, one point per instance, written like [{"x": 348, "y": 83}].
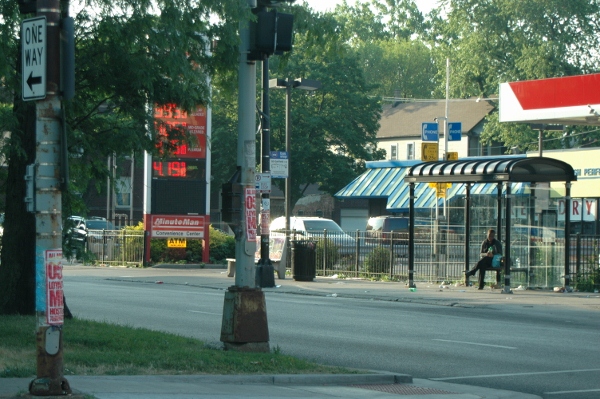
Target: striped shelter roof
[
  {"x": 488, "y": 170},
  {"x": 385, "y": 179}
]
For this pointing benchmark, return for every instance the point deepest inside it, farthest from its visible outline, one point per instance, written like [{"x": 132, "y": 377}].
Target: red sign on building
[{"x": 165, "y": 226}]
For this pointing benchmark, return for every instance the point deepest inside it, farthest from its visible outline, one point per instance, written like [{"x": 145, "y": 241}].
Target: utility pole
[
  {"x": 244, "y": 324},
  {"x": 41, "y": 82}
]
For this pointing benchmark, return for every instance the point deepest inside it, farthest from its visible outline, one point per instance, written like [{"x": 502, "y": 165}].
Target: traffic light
[
  {"x": 27, "y": 6},
  {"x": 271, "y": 33},
  {"x": 231, "y": 194}
]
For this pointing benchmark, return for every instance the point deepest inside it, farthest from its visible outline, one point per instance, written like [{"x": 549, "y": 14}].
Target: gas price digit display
[{"x": 176, "y": 169}]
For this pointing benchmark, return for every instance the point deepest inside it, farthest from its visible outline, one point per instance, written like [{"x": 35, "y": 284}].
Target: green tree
[
  {"x": 495, "y": 41},
  {"x": 333, "y": 129},
  {"x": 130, "y": 55}
]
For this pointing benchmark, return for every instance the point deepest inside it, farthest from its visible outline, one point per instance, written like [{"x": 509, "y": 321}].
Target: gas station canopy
[{"x": 571, "y": 100}]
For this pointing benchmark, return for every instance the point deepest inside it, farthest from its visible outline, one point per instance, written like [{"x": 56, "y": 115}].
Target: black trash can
[{"x": 304, "y": 260}]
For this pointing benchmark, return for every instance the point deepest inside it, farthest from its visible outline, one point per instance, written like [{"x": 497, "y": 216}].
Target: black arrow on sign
[{"x": 31, "y": 80}]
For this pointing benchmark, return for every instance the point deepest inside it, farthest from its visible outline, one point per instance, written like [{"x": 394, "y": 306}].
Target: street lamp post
[{"x": 288, "y": 85}]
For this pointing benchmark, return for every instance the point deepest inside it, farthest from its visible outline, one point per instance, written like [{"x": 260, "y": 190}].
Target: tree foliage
[
  {"x": 130, "y": 55},
  {"x": 494, "y": 41}
]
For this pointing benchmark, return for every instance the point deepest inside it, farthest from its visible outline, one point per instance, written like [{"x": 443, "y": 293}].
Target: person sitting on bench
[{"x": 489, "y": 248}]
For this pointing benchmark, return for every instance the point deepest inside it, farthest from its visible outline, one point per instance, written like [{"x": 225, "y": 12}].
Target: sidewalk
[
  {"x": 360, "y": 386},
  {"x": 374, "y": 385}
]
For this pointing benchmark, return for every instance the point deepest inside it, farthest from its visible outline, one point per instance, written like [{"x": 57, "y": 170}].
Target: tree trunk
[{"x": 17, "y": 267}]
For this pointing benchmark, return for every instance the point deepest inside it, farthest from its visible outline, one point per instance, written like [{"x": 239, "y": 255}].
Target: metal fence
[
  {"x": 440, "y": 257},
  {"x": 116, "y": 247}
]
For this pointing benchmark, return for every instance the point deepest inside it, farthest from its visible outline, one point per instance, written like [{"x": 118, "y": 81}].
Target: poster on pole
[
  {"x": 54, "y": 287},
  {"x": 250, "y": 213}
]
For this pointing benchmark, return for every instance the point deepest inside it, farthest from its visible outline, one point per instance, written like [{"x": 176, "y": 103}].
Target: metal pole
[
  {"x": 446, "y": 130},
  {"x": 288, "y": 130},
  {"x": 245, "y": 248},
  {"x": 568, "y": 236},
  {"x": 540, "y": 141},
  {"x": 411, "y": 235},
  {"x": 48, "y": 211},
  {"x": 131, "y": 188},
  {"x": 265, "y": 267},
  {"x": 244, "y": 324},
  {"x": 265, "y": 163},
  {"x": 507, "y": 250}
]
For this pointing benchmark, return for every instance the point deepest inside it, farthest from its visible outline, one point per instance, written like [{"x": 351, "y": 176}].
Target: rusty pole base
[
  {"x": 49, "y": 387},
  {"x": 245, "y": 326}
]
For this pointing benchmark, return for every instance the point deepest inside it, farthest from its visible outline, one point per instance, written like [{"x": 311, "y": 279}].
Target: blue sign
[
  {"x": 279, "y": 163},
  {"x": 429, "y": 131},
  {"x": 454, "y": 131},
  {"x": 279, "y": 155}
]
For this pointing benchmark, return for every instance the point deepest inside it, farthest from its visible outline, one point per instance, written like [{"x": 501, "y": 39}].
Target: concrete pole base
[
  {"x": 245, "y": 320},
  {"x": 49, "y": 387}
]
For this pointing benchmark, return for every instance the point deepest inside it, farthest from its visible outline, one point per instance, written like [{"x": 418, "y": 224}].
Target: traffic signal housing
[{"x": 270, "y": 34}]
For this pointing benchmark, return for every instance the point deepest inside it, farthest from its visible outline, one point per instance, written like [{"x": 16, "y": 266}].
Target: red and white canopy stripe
[{"x": 571, "y": 100}]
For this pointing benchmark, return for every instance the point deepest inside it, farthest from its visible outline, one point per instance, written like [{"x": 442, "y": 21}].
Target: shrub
[
  {"x": 222, "y": 246},
  {"x": 332, "y": 256},
  {"x": 378, "y": 261}
]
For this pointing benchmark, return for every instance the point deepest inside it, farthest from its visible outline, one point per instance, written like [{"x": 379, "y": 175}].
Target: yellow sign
[
  {"x": 441, "y": 190},
  {"x": 429, "y": 151},
  {"x": 452, "y": 156},
  {"x": 440, "y": 186},
  {"x": 176, "y": 243}
]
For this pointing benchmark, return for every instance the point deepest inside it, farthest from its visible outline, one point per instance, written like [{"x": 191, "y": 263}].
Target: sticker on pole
[
  {"x": 263, "y": 182},
  {"x": 250, "y": 213},
  {"x": 33, "y": 58},
  {"x": 54, "y": 287}
]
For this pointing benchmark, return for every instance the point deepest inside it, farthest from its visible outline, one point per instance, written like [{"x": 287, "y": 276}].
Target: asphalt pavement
[{"x": 371, "y": 384}]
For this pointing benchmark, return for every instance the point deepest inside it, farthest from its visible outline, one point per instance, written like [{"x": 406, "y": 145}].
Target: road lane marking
[
  {"x": 197, "y": 311},
  {"x": 515, "y": 374},
  {"x": 563, "y": 392},
  {"x": 475, "y": 343}
]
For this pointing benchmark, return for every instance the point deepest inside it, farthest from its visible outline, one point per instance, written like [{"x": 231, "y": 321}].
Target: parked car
[
  {"x": 314, "y": 227},
  {"x": 75, "y": 230},
  {"x": 380, "y": 228}
]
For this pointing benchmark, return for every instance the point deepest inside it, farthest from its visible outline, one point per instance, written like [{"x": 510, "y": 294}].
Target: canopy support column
[
  {"x": 507, "y": 289},
  {"x": 411, "y": 235}
]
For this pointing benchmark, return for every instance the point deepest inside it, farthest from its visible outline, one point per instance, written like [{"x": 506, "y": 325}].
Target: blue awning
[{"x": 385, "y": 179}]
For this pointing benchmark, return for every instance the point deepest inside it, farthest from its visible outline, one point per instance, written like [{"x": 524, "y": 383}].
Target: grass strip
[{"x": 94, "y": 348}]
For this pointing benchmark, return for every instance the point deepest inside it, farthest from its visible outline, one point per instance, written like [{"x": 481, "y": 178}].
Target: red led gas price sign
[{"x": 169, "y": 169}]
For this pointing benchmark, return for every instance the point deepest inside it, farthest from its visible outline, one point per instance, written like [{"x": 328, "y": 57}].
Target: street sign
[
  {"x": 176, "y": 243},
  {"x": 262, "y": 182},
  {"x": 429, "y": 131},
  {"x": 279, "y": 164},
  {"x": 452, "y": 156},
  {"x": 33, "y": 59},
  {"x": 429, "y": 152},
  {"x": 441, "y": 190},
  {"x": 454, "y": 131}
]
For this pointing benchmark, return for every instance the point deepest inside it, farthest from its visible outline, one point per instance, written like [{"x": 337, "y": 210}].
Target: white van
[{"x": 314, "y": 227}]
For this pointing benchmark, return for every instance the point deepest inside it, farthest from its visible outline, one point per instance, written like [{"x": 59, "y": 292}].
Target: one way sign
[{"x": 33, "y": 61}]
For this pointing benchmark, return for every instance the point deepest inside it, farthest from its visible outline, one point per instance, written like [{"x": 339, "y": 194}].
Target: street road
[{"x": 548, "y": 350}]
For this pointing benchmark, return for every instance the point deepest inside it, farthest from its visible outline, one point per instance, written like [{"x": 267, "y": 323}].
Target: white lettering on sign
[
  {"x": 54, "y": 287},
  {"x": 176, "y": 222}
]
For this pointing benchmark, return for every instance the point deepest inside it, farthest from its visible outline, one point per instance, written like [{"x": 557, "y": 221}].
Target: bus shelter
[{"x": 502, "y": 171}]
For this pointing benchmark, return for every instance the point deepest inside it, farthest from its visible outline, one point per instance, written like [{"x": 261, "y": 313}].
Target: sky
[{"x": 328, "y": 5}]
